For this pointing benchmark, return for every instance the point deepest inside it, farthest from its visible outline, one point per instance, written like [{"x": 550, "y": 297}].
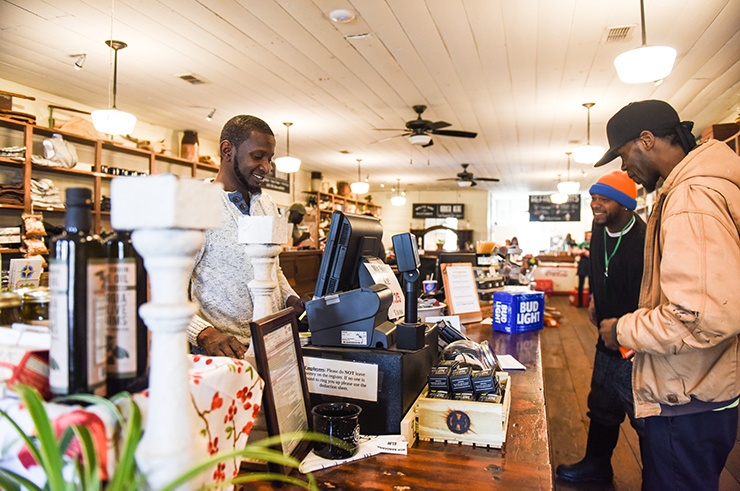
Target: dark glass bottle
[
  {"x": 77, "y": 307},
  {"x": 128, "y": 345}
]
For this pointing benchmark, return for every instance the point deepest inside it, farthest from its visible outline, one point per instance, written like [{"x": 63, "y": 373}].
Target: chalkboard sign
[
  {"x": 276, "y": 181},
  {"x": 441, "y": 210},
  {"x": 541, "y": 209}
]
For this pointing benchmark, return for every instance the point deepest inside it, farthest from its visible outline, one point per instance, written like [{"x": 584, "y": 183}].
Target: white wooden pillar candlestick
[
  {"x": 167, "y": 216},
  {"x": 262, "y": 236}
]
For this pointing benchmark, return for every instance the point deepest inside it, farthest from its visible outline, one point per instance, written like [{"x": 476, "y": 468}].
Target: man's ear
[
  {"x": 226, "y": 150},
  {"x": 646, "y": 140}
]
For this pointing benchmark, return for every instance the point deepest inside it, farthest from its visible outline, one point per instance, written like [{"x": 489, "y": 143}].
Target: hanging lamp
[
  {"x": 359, "y": 187},
  {"x": 287, "y": 164},
  {"x": 588, "y": 154},
  {"x": 646, "y": 63},
  {"x": 112, "y": 121},
  {"x": 398, "y": 199},
  {"x": 569, "y": 187}
]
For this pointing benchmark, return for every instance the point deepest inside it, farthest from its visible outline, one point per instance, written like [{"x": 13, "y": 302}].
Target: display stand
[{"x": 461, "y": 291}]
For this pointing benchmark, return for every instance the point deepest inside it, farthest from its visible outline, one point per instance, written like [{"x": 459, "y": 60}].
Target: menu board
[
  {"x": 541, "y": 209},
  {"x": 440, "y": 210}
]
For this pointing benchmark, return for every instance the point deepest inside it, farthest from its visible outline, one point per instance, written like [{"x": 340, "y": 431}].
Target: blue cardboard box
[{"x": 518, "y": 311}]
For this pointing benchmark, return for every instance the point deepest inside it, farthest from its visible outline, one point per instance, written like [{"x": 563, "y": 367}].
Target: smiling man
[
  {"x": 223, "y": 269},
  {"x": 686, "y": 331},
  {"x": 616, "y": 248}
]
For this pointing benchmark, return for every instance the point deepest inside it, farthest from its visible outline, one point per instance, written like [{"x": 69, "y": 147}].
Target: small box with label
[{"x": 518, "y": 311}]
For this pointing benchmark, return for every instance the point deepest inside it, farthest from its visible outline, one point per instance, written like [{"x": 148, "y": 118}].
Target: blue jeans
[{"x": 687, "y": 452}]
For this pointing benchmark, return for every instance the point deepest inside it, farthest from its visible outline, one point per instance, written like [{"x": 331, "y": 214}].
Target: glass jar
[
  {"x": 10, "y": 308},
  {"x": 36, "y": 306}
]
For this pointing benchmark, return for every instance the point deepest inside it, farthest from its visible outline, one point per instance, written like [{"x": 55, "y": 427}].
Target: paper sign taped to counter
[{"x": 342, "y": 378}]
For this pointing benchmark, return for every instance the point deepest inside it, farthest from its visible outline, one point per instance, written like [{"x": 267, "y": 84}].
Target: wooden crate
[{"x": 467, "y": 422}]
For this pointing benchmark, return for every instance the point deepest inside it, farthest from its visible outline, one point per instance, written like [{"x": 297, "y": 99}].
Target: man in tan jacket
[{"x": 686, "y": 374}]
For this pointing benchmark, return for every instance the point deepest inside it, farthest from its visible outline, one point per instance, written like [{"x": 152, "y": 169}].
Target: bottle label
[
  {"x": 122, "y": 319},
  {"x": 59, "y": 326},
  {"x": 97, "y": 317}
]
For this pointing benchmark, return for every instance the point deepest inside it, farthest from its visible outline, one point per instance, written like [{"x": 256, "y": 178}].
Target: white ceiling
[{"x": 516, "y": 72}]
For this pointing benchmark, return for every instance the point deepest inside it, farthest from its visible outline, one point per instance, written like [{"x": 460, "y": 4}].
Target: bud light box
[{"x": 518, "y": 311}]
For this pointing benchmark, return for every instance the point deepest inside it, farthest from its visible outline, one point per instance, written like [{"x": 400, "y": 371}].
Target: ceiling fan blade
[
  {"x": 449, "y": 179},
  {"x": 438, "y": 125},
  {"x": 491, "y": 179},
  {"x": 390, "y": 129},
  {"x": 458, "y": 133}
]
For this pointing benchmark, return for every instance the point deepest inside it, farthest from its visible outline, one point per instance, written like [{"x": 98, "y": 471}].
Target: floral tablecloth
[{"x": 226, "y": 398}]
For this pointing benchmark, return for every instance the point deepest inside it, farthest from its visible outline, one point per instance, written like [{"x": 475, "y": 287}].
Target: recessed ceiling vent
[
  {"x": 191, "y": 79},
  {"x": 619, "y": 34}
]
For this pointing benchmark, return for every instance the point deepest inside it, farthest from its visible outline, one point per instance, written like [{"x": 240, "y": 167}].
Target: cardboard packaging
[{"x": 518, "y": 311}]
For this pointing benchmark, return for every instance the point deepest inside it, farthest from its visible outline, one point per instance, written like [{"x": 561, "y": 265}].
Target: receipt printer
[{"x": 353, "y": 319}]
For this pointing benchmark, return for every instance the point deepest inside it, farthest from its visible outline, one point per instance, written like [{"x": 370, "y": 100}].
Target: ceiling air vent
[
  {"x": 191, "y": 79},
  {"x": 618, "y": 34}
]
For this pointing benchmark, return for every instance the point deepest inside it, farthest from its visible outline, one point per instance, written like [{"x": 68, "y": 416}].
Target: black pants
[
  {"x": 581, "y": 283},
  {"x": 610, "y": 398},
  {"x": 687, "y": 452}
]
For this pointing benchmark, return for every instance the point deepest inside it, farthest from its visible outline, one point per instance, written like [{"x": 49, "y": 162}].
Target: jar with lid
[
  {"x": 10, "y": 308},
  {"x": 36, "y": 306}
]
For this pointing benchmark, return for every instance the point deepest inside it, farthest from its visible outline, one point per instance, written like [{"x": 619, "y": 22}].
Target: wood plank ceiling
[{"x": 515, "y": 72}]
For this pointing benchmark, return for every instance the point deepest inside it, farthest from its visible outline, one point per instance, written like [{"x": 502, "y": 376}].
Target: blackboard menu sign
[
  {"x": 541, "y": 209},
  {"x": 442, "y": 210},
  {"x": 276, "y": 181}
]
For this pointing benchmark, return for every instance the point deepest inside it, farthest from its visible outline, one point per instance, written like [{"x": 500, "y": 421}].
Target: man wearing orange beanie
[
  {"x": 686, "y": 331},
  {"x": 617, "y": 245}
]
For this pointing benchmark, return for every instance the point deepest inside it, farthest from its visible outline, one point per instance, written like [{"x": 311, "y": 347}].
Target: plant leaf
[
  {"x": 90, "y": 475},
  {"x": 10, "y": 481},
  {"x": 126, "y": 471}
]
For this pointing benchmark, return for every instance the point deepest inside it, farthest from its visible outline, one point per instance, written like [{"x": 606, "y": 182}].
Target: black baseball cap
[{"x": 633, "y": 119}]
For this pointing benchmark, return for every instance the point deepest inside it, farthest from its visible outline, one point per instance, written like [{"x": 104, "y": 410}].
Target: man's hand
[
  {"x": 298, "y": 304},
  {"x": 217, "y": 343},
  {"x": 608, "y": 333}
]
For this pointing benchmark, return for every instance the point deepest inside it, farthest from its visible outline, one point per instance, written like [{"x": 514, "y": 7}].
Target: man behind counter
[{"x": 223, "y": 268}]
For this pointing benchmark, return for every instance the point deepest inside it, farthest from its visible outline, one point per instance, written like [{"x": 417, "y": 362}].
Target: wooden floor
[{"x": 567, "y": 360}]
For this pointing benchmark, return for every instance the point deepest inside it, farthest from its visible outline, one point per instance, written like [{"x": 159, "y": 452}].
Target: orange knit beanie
[{"x": 618, "y": 186}]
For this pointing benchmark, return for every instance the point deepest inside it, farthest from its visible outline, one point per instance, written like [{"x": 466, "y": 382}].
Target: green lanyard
[{"x": 619, "y": 240}]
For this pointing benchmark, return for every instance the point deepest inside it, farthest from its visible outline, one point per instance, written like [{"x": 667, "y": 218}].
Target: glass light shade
[
  {"x": 464, "y": 184},
  {"x": 398, "y": 200},
  {"x": 359, "y": 187},
  {"x": 558, "y": 198},
  {"x": 569, "y": 187},
  {"x": 113, "y": 121},
  {"x": 287, "y": 164},
  {"x": 588, "y": 154},
  {"x": 645, "y": 64},
  {"x": 420, "y": 139}
]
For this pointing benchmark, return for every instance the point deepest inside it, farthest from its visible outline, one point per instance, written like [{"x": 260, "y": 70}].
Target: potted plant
[
  {"x": 52, "y": 451},
  {"x": 440, "y": 244}
]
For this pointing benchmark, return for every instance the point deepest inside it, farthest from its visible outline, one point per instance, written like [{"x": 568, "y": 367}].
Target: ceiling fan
[
  {"x": 466, "y": 179},
  {"x": 419, "y": 131}
]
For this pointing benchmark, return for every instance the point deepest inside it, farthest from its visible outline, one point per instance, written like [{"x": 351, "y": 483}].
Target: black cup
[{"x": 339, "y": 420}]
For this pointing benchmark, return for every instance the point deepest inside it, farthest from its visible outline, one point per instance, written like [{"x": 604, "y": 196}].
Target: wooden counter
[
  {"x": 523, "y": 463},
  {"x": 301, "y": 268}
]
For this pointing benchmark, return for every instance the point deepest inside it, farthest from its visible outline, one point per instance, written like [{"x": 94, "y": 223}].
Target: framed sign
[
  {"x": 285, "y": 401},
  {"x": 541, "y": 209},
  {"x": 442, "y": 210},
  {"x": 461, "y": 291},
  {"x": 277, "y": 181}
]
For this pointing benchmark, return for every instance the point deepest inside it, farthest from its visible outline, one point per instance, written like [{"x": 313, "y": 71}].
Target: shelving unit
[
  {"x": 327, "y": 203},
  {"x": 95, "y": 155}
]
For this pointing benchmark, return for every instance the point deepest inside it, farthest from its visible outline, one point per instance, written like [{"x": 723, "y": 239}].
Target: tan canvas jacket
[{"x": 686, "y": 330}]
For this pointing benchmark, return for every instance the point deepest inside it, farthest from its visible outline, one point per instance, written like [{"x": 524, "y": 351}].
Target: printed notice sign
[{"x": 342, "y": 378}]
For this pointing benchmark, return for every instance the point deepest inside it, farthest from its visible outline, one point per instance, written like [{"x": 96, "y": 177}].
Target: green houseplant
[{"x": 48, "y": 450}]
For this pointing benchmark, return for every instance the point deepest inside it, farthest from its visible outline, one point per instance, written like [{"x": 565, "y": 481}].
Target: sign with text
[
  {"x": 339, "y": 378},
  {"x": 441, "y": 210},
  {"x": 541, "y": 209}
]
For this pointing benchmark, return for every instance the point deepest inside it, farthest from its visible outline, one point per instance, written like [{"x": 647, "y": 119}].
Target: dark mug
[{"x": 339, "y": 420}]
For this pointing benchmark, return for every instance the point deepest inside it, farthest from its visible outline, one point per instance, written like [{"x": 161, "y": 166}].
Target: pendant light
[
  {"x": 359, "y": 187},
  {"x": 287, "y": 164},
  {"x": 569, "y": 187},
  {"x": 588, "y": 154},
  {"x": 646, "y": 63},
  {"x": 398, "y": 199},
  {"x": 558, "y": 197},
  {"x": 112, "y": 121}
]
